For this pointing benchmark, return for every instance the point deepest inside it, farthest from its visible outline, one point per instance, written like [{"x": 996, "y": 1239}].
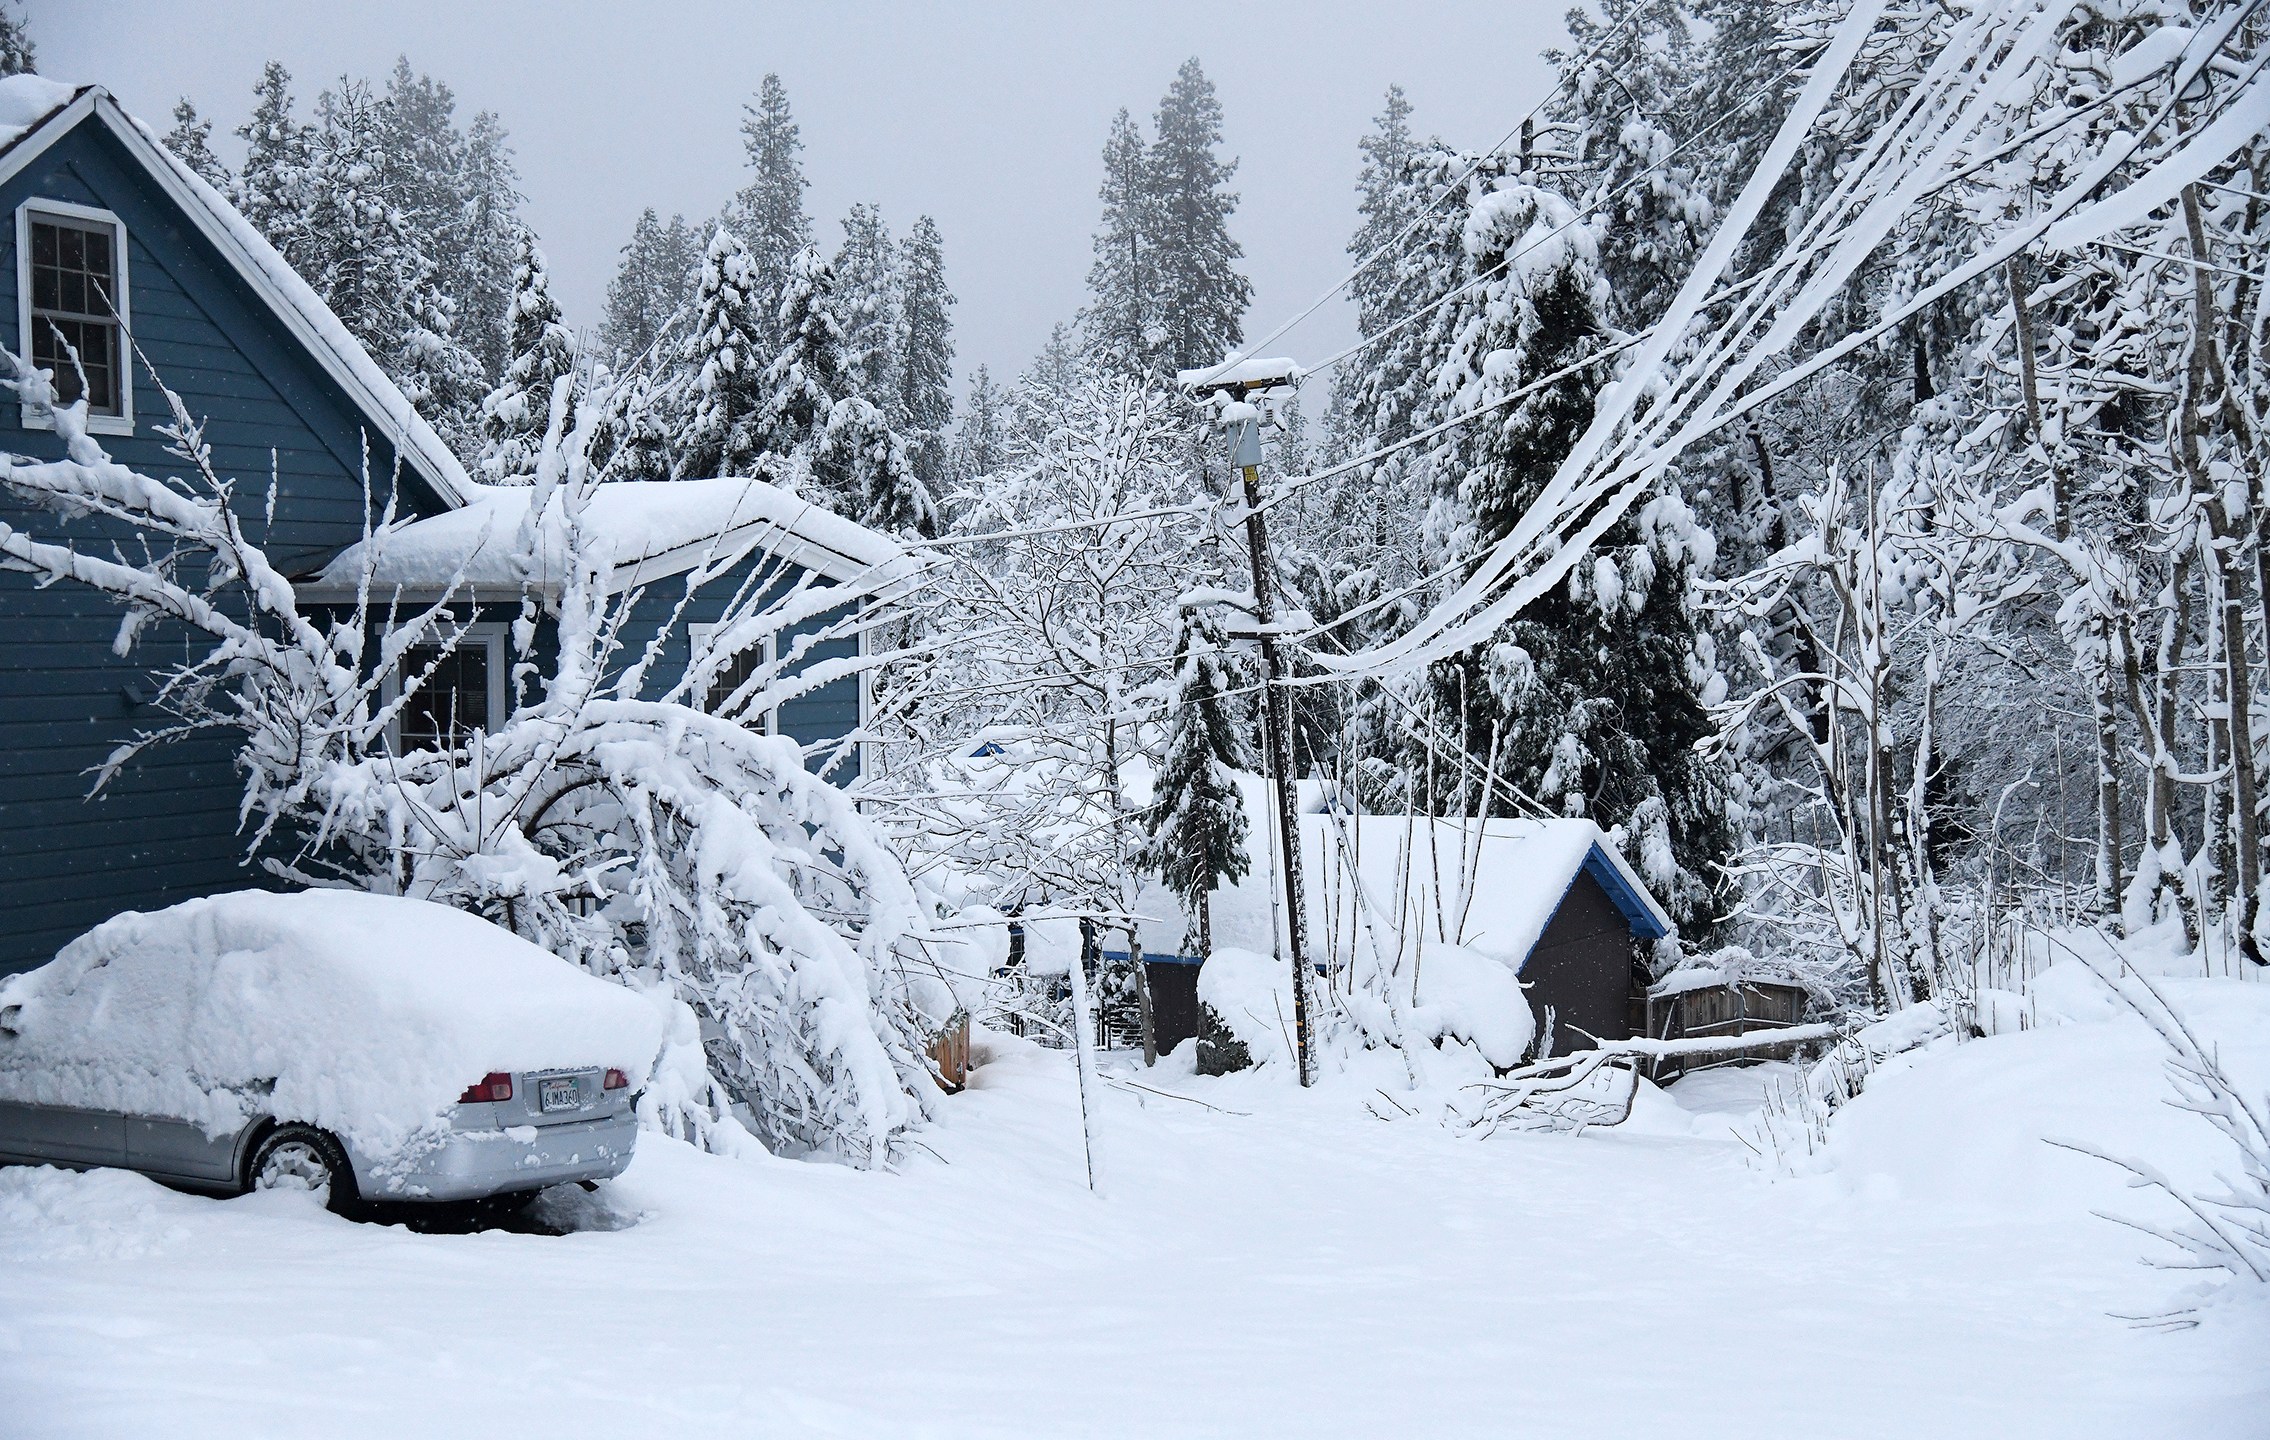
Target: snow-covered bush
[{"x": 632, "y": 832}]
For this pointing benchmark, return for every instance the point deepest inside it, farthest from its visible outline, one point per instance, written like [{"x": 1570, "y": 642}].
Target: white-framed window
[
  {"x": 72, "y": 294},
  {"x": 464, "y": 691},
  {"x": 736, "y": 672}
]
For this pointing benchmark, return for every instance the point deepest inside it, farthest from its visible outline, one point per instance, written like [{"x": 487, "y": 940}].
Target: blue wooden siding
[
  {"x": 166, "y": 828},
  {"x": 816, "y": 720},
  {"x": 822, "y": 717}
]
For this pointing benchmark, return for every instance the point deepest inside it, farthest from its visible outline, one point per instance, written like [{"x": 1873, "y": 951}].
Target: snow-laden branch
[{"x": 1642, "y": 422}]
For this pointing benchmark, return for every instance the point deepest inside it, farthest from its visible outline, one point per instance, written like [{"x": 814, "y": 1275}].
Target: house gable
[
  {"x": 271, "y": 407},
  {"x": 278, "y": 415}
]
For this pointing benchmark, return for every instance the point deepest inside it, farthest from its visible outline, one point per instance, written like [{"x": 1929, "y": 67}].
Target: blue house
[{"x": 139, "y": 265}]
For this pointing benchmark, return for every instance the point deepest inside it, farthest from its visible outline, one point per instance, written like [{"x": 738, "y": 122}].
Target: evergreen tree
[
  {"x": 360, "y": 253},
  {"x": 1197, "y": 823},
  {"x": 768, "y": 214},
  {"x": 16, "y": 57},
  {"x": 1120, "y": 329},
  {"x": 1201, "y": 297},
  {"x": 460, "y": 195},
  {"x": 1037, "y": 404},
  {"x": 1622, "y": 107},
  {"x": 721, "y": 356},
  {"x": 660, "y": 270},
  {"x": 640, "y": 418},
  {"x": 867, "y": 285},
  {"x": 191, "y": 141},
  {"x": 515, "y": 415},
  {"x": 926, "y": 352},
  {"x": 981, "y": 444},
  {"x": 1373, "y": 515},
  {"x": 836, "y": 446},
  {"x": 1385, "y": 206},
  {"x": 420, "y": 160},
  {"x": 1591, "y": 694},
  {"x": 278, "y": 150},
  {"x": 484, "y": 244}
]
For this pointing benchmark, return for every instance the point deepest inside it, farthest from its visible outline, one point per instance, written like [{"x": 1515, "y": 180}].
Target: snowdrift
[
  {"x": 369, "y": 1014},
  {"x": 1463, "y": 997}
]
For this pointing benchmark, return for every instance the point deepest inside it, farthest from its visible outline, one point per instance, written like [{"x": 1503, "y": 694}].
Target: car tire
[{"x": 302, "y": 1157}]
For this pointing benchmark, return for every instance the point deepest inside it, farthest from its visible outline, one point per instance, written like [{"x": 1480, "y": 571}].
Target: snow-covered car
[{"x": 381, "y": 1049}]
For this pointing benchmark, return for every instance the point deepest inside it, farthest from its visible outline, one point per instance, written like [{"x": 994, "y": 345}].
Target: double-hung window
[
  {"x": 459, "y": 690},
  {"x": 735, "y": 673},
  {"x": 72, "y": 308}
]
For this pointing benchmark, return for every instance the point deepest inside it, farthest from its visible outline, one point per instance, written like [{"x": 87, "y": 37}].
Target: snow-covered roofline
[
  {"x": 657, "y": 528},
  {"x": 35, "y": 112}
]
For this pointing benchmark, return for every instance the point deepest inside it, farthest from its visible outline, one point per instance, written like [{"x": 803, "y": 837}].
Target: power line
[{"x": 1563, "y": 228}]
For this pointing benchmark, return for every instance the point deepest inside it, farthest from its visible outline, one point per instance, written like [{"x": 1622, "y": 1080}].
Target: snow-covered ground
[{"x": 1277, "y": 1265}]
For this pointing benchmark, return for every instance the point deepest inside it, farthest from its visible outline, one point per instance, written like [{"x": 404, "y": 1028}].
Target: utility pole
[{"x": 1235, "y": 383}]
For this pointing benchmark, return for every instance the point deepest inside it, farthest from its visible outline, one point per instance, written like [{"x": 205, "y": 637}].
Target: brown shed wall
[{"x": 1582, "y": 967}]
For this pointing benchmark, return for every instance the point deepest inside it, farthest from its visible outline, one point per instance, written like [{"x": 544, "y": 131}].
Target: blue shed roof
[{"x": 1646, "y": 920}]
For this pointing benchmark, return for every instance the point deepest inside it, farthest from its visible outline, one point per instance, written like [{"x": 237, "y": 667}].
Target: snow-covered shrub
[{"x": 638, "y": 835}]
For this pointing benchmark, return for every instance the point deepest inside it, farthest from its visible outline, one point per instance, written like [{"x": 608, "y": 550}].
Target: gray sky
[{"x": 990, "y": 117}]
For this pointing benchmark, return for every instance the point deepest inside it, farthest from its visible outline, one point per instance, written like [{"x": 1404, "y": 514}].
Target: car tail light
[
  {"x": 616, "y": 1080},
  {"x": 496, "y": 1085}
]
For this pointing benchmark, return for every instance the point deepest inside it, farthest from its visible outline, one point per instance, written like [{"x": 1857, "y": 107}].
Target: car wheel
[{"x": 301, "y": 1157}]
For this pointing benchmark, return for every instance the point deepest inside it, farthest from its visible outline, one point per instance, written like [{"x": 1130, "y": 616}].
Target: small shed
[
  {"x": 1552, "y": 900},
  {"x": 1705, "y": 1001}
]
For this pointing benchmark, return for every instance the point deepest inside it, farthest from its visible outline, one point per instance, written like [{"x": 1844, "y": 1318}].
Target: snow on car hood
[{"x": 367, "y": 1014}]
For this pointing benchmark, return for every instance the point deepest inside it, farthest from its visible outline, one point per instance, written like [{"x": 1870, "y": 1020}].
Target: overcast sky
[{"x": 990, "y": 117}]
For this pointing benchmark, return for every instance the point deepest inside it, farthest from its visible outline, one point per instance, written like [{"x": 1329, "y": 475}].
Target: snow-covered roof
[
  {"x": 657, "y": 528},
  {"x": 35, "y": 112},
  {"x": 1518, "y": 872}
]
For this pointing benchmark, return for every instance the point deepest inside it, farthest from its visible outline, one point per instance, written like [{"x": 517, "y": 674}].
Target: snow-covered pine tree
[
  {"x": 1197, "y": 822},
  {"x": 867, "y": 289},
  {"x": 640, "y": 416},
  {"x": 981, "y": 441},
  {"x": 16, "y": 57},
  {"x": 926, "y": 353},
  {"x": 722, "y": 358},
  {"x": 515, "y": 414},
  {"x": 191, "y": 141},
  {"x": 1592, "y": 697},
  {"x": 1201, "y": 298},
  {"x": 660, "y": 270},
  {"x": 768, "y": 213},
  {"x": 1627, "y": 102},
  {"x": 361, "y": 254},
  {"x": 460, "y": 195},
  {"x": 1120, "y": 328},
  {"x": 1036, "y": 406},
  {"x": 835, "y": 445},
  {"x": 419, "y": 159},
  {"x": 1385, "y": 208},
  {"x": 1375, "y": 512},
  {"x": 269, "y": 192},
  {"x": 483, "y": 240}
]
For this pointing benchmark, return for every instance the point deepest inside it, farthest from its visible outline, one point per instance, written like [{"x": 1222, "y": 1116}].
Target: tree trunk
[
  {"x": 2062, "y": 521},
  {"x": 2108, "y": 803},
  {"x": 1143, "y": 998}
]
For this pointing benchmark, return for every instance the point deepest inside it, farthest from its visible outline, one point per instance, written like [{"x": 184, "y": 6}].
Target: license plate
[{"x": 558, "y": 1095}]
